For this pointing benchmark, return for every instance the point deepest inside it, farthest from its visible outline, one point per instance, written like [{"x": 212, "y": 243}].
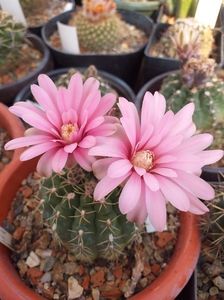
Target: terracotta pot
[
  {"x": 166, "y": 287},
  {"x": 15, "y": 129}
]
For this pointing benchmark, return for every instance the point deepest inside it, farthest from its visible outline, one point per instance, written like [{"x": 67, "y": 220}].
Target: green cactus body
[
  {"x": 96, "y": 36},
  {"x": 12, "y": 35},
  {"x": 89, "y": 229},
  {"x": 208, "y": 100}
]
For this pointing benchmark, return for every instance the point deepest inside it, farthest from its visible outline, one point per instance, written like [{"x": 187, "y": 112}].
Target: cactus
[
  {"x": 97, "y": 25},
  {"x": 12, "y": 36},
  {"x": 185, "y": 33},
  {"x": 89, "y": 229},
  {"x": 181, "y": 8},
  {"x": 212, "y": 224},
  {"x": 91, "y": 71}
]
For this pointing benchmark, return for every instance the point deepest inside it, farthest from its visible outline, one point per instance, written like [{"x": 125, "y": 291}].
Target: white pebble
[
  {"x": 32, "y": 260},
  {"x": 75, "y": 290},
  {"x": 43, "y": 253}
]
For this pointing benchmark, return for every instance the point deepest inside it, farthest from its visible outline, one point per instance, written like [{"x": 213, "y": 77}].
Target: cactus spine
[
  {"x": 213, "y": 223},
  {"x": 89, "y": 229},
  {"x": 97, "y": 25}
]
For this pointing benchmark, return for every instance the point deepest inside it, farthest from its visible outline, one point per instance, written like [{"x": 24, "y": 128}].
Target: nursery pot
[
  {"x": 9, "y": 91},
  {"x": 167, "y": 286},
  {"x": 116, "y": 83},
  {"x": 209, "y": 173},
  {"x": 125, "y": 65},
  {"x": 37, "y": 29},
  {"x": 154, "y": 65},
  {"x": 14, "y": 128}
]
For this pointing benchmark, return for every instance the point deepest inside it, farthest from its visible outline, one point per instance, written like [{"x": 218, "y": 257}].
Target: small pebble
[
  {"x": 219, "y": 282},
  {"x": 213, "y": 291},
  {"x": 32, "y": 260},
  {"x": 48, "y": 263},
  {"x": 95, "y": 294},
  {"x": 75, "y": 290},
  {"x": 46, "y": 277}
]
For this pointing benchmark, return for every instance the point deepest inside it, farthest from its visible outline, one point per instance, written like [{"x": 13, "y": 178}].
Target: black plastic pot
[
  {"x": 37, "y": 29},
  {"x": 125, "y": 66},
  {"x": 211, "y": 174},
  {"x": 116, "y": 83},
  {"x": 190, "y": 290},
  {"x": 152, "y": 65},
  {"x": 9, "y": 91}
]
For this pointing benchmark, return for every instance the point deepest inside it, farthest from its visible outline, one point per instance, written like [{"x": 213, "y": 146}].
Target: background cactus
[
  {"x": 97, "y": 25},
  {"x": 12, "y": 36},
  {"x": 89, "y": 229},
  {"x": 181, "y": 8},
  {"x": 185, "y": 33}
]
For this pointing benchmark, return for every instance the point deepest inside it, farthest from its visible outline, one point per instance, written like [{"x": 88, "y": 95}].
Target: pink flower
[
  {"x": 66, "y": 125},
  {"x": 157, "y": 161}
]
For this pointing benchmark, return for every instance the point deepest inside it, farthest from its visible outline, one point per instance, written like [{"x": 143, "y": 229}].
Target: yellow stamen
[
  {"x": 143, "y": 159},
  {"x": 67, "y": 131}
]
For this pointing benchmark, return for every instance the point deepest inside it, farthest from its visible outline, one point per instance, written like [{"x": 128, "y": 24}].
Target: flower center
[
  {"x": 67, "y": 131},
  {"x": 143, "y": 159}
]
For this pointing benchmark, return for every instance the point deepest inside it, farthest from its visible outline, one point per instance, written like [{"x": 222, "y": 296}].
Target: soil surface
[{"x": 5, "y": 156}]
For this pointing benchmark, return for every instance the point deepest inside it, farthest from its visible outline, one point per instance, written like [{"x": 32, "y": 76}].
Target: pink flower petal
[
  {"x": 130, "y": 120},
  {"x": 210, "y": 156},
  {"x": 26, "y": 141},
  {"x": 139, "y": 213},
  {"x": 106, "y": 185},
  {"x": 83, "y": 159},
  {"x": 104, "y": 129},
  {"x": 38, "y": 121},
  {"x": 89, "y": 87},
  {"x": 88, "y": 142},
  {"x": 165, "y": 172},
  {"x": 94, "y": 123},
  {"x": 139, "y": 171},
  {"x": 54, "y": 118},
  {"x": 100, "y": 166},
  {"x": 156, "y": 208},
  {"x": 130, "y": 194},
  {"x": 23, "y": 108},
  {"x": 70, "y": 116},
  {"x": 44, "y": 165},
  {"x": 151, "y": 182},
  {"x": 37, "y": 150},
  {"x": 106, "y": 103},
  {"x": 42, "y": 97},
  {"x": 195, "y": 185},
  {"x": 59, "y": 160},
  {"x": 196, "y": 143},
  {"x": 173, "y": 193},
  {"x": 70, "y": 148},
  {"x": 119, "y": 168},
  {"x": 110, "y": 148},
  {"x": 196, "y": 206},
  {"x": 75, "y": 93},
  {"x": 48, "y": 86}
]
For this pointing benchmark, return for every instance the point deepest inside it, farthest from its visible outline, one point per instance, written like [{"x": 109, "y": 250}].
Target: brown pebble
[
  {"x": 34, "y": 274},
  {"x": 147, "y": 269},
  {"x": 155, "y": 269},
  {"x": 81, "y": 270},
  {"x": 111, "y": 292},
  {"x": 26, "y": 191},
  {"x": 97, "y": 279},
  {"x": 85, "y": 282},
  {"x": 163, "y": 238},
  {"x": 118, "y": 272},
  {"x": 48, "y": 292},
  {"x": 18, "y": 233}
]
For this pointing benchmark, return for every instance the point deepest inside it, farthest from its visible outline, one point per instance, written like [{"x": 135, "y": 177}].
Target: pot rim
[
  {"x": 167, "y": 286},
  {"x": 115, "y": 80}
]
